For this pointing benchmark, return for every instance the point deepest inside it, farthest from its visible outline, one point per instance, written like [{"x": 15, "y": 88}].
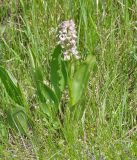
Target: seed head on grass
[{"x": 67, "y": 39}]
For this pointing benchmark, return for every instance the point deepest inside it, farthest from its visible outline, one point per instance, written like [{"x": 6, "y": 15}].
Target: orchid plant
[{"x": 68, "y": 82}]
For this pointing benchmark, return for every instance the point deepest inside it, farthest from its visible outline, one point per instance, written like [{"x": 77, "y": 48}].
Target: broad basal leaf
[
  {"x": 45, "y": 93},
  {"x": 18, "y": 119},
  {"x": 58, "y": 74},
  {"x": 11, "y": 85}
]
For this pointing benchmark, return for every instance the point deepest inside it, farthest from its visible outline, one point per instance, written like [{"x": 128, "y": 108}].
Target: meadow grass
[{"x": 107, "y": 128}]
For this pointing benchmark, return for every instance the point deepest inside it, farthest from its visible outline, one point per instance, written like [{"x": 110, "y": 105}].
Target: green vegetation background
[{"x": 107, "y": 29}]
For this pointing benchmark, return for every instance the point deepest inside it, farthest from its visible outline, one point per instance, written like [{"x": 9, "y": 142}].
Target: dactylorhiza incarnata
[{"x": 67, "y": 39}]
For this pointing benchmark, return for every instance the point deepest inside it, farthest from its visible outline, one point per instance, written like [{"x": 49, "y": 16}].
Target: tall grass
[{"x": 103, "y": 124}]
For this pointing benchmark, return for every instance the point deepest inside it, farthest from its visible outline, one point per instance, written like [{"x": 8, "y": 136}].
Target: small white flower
[
  {"x": 66, "y": 57},
  {"x": 74, "y": 36},
  {"x": 62, "y": 38},
  {"x": 75, "y": 52},
  {"x": 73, "y": 42},
  {"x": 77, "y": 56}
]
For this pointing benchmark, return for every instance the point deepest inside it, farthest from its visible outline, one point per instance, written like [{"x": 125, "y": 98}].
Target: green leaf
[
  {"x": 11, "y": 85},
  {"x": 3, "y": 132},
  {"x": 58, "y": 75},
  {"x": 45, "y": 93},
  {"x": 80, "y": 81},
  {"x": 18, "y": 119},
  {"x": 49, "y": 94}
]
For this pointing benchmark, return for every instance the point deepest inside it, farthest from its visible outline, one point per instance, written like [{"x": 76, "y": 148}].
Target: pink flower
[{"x": 67, "y": 39}]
